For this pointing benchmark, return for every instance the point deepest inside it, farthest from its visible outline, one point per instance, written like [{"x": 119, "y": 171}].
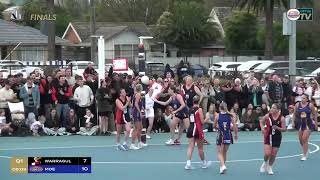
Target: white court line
[
  {"x": 173, "y": 162},
  {"x": 103, "y": 146},
  {"x": 231, "y": 161}
]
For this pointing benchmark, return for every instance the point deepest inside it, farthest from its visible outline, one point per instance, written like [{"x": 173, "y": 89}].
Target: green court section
[{"x": 159, "y": 162}]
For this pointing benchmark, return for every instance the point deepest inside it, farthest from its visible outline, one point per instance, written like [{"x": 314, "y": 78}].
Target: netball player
[
  {"x": 122, "y": 119},
  {"x": 304, "y": 119},
  {"x": 138, "y": 115},
  {"x": 272, "y": 124},
  {"x": 195, "y": 133},
  {"x": 180, "y": 112},
  {"x": 224, "y": 122}
]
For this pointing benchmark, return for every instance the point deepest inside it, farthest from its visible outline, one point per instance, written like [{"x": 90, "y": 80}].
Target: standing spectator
[
  {"x": 90, "y": 70},
  {"x": 287, "y": 94},
  {"x": 298, "y": 90},
  {"x": 105, "y": 107},
  {"x": 46, "y": 95},
  {"x": 219, "y": 94},
  {"x": 72, "y": 126},
  {"x": 255, "y": 93},
  {"x": 2, "y": 84},
  {"x": 92, "y": 83},
  {"x": 83, "y": 96},
  {"x": 275, "y": 90},
  {"x": 208, "y": 95},
  {"x": 314, "y": 92},
  {"x": 168, "y": 73},
  {"x": 61, "y": 93},
  {"x": 289, "y": 118},
  {"x": 6, "y": 95},
  {"x": 264, "y": 86},
  {"x": 69, "y": 78},
  {"x": 31, "y": 97}
]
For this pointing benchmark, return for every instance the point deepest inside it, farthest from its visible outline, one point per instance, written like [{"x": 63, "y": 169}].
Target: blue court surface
[{"x": 159, "y": 162}]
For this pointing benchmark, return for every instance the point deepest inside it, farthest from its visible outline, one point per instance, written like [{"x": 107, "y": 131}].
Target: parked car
[
  {"x": 199, "y": 70},
  {"x": 307, "y": 77},
  {"x": 19, "y": 66},
  {"x": 285, "y": 71},
  {"x": 223, "y": 68},
  {"x": 250, "y": 65},
  {"x": 13, "y": 70}
]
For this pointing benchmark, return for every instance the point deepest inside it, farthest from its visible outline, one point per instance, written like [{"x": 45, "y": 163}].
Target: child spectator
[
  {"x": 249, "y": 120},
  {"x": 89, "y": 129},
  {"x": 209, "y": 118},
  {"x": 289, "y": 118},
  {"x": 37, "y": 127},
  {"x": 3, "y": 120}
]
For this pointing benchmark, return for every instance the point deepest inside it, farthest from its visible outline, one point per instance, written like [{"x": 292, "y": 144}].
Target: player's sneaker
[
  {"x": 148, "y": 137},
  {"x": 120, "y": 147},
  {"x": 170, "y": 142},
  {"x": 303, "y": 158},
  {"x": 270, "y": 172},
  {"x": 134, "y": 147},
  {"x": 223, "y": 169},
  {"x": 263, "y": 167},
  {"x": 206, "y": 164},
  {"x": 188, "y": 166},
  {"x": 125, "y": 146},
  {"x": 177, "y": 142},
  {"x": 205, "y": 142}
]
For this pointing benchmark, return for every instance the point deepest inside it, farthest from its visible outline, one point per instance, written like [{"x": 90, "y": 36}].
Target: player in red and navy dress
[
  {"x": 224, "y": 122},
  {"x": 272, "y": 124},
  {"x": 122, "y": 119},
  {"x": 195, "y": 133},
  {"x": 304, "y": 119}
]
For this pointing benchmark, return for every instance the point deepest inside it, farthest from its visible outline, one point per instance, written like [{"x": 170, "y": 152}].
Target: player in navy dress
[
  {"x": 195, "y": 133},
  {"x": 272, "y": 124},
  {"x": 304, "y": 119},
  {"x": 224, "y": 122},
  {"x": 180, "y": 112}
]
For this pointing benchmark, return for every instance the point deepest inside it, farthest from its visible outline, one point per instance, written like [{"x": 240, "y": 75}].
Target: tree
[
  {"x": 147, "y": 11},
  {"x": 267, "y": 6},
  {"x": 241, "y": 34},
  {"x": 186, "y": 26},
  {"x": 2, "y": 8},
  {"x": 280, "y": 42}
]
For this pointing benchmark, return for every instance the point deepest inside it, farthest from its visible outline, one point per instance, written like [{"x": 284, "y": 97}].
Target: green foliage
[
  {"x": 2, "y": 8},
  {"x": 186, "y": 26},
  {"x": 241, "y": 32},
  {"x": 280, "y": 42}
]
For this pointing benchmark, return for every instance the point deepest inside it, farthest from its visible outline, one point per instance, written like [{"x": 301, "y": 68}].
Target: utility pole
[
  {"x": 292, "y": 46},
  {"x": 51, "y": 32},
  {"x": 93, "y": 31}
]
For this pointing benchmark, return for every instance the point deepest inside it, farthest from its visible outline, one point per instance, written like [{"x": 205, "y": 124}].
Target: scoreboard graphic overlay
[{"x": 24, "y": 165}]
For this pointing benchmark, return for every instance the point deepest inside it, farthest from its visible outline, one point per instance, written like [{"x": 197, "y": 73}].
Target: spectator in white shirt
[
  {"x": 83, "y": 96},
  {"x": 6, "y": 95},
  {"x": 298, "y": 90},
  {"x": 314, "y": 92}
]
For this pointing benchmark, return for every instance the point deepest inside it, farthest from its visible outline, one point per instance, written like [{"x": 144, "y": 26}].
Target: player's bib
[{"x": 192, "y": 118}]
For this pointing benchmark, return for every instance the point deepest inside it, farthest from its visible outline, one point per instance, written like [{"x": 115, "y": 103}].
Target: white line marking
[
  {"x": 104, "y": 146},
  {"x": 231, "y": 161},
  {"x": 169, "y": 162}
]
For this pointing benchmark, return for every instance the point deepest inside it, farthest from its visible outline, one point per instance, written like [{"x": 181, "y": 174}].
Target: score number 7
[{"x": 84, "y": 160}]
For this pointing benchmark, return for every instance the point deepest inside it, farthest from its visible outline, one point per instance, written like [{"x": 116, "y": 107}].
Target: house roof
[
  {"x": 12, "y": 34},
  {"x": 109, "y": 29}
]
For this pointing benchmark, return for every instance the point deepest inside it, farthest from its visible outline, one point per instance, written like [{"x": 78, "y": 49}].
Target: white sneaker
[
  {"x": 176, "y": 130},
  {"x": 303, "y": 158},
  {"x": 170, "y": 142},
  {"x": 148, "y": 137},
  {"x": 134, "y": 147},
  {"x": 263, "y": 167},
  {"x": 143, "y": 144},
  {"x": 114, "y": 133},
  {"x": 270, "y": 172},
  {"x": 188, "y": 167},
  {"x": 205, "y": 130},
  {"x": 206, "y": 164},
  {"x": 223, "y": 169}
]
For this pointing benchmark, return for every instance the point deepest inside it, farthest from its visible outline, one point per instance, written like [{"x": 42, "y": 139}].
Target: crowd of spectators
[{"x": 62, "y": 104}]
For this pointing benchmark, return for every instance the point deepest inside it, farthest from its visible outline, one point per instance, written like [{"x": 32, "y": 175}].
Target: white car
[
  {"x": 18, "y": 67},
  {"x": 129, "y": 71},
  {"x": 307, "y": 77},
  {"x": 223, "y": 67},
  {"x": 78, "y": 67},
  {"x": 250, "y": 65},
  {"x": 6, "y": 70}
]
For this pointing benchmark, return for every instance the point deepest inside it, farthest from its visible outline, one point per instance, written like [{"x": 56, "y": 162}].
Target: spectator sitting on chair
[
  {"x": 89, "y": 129},
  {"x": 52, "y": 125},
  {"x": 31, "y": 97},
  {"x": 72, "y": 122}
]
